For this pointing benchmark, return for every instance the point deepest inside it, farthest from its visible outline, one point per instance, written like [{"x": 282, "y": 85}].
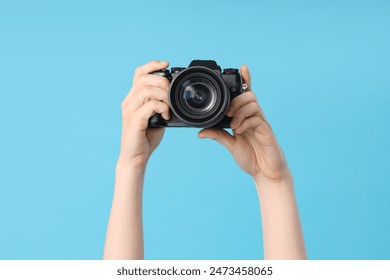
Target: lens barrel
[{"x": 199, "y": 96}]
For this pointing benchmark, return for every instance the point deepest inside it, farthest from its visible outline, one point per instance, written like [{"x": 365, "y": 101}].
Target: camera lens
[{"x": 199, "y": 97}]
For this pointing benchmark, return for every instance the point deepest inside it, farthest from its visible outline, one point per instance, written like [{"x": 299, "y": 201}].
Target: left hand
[{"x": 253, "y": 144}]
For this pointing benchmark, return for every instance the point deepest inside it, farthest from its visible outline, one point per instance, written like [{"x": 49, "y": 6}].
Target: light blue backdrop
[{"x": 321, "y": 73}]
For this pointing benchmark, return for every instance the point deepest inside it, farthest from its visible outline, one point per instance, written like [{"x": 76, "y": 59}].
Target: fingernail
[
  {"x": 233, "y": 123},
  {"x": 163, "y": 62},
  {"x": 229, "y": 113}
]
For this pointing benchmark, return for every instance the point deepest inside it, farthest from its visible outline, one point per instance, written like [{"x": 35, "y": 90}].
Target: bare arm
[
  {"x": 282, "y": 233},
  {"x": 256, "y": 150},
  {"x": 148, "y": 95},
  {"x": 124, "y": 238}
]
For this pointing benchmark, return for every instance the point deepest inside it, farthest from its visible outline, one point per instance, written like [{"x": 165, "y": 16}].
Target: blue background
[{"x": 321, "y": 73}]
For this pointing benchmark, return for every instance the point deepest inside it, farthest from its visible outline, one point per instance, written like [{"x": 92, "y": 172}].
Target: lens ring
[{"x": 212, "y": 110}]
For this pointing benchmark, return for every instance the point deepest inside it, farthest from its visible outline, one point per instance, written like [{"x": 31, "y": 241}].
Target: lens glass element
[{"x": 198, "y": 95}]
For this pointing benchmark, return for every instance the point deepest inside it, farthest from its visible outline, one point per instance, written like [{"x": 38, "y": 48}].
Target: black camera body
[{"x": 199, "y": 95}]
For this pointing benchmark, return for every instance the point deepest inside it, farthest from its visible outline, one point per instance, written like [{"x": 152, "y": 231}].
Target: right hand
[{"x": 147, "y": 96}]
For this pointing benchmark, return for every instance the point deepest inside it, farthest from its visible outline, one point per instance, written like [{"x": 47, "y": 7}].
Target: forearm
[
  {"x": 124, "y": 239},
  {"x": 282, "y": 232}
]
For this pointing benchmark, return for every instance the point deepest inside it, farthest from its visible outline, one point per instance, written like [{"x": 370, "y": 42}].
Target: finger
[
  {"x": 151, "y": 81},
  {"x": 249, "y": 110},
  {"x": 147, "y": 93},
  {"x": 150, "y": 67},
  {"x": 248, "y": 123},
  {"x": 149, "y": 109},
  {"x": 220, "y": 135},
  {"x": 246, "y": 77},
  {"x": 262, "y": 115},
  {"x": 145, "y": 81},
  {"x": 240, "y": 101}
]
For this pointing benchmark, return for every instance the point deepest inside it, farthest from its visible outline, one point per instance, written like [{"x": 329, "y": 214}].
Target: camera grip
[
  {"x": 157, "y": 121},
  {"x": 224, "y": 123}
]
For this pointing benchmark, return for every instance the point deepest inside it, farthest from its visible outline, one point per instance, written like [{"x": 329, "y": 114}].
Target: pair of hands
[{"x": 253, "y": 144}]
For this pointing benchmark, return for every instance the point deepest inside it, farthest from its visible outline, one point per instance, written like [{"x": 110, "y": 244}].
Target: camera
[{"x": 199, "y": 95}]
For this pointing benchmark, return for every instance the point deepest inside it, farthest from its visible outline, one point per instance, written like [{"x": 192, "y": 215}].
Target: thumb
[
  {"x": 246, "y": 76},
  {"x": 220, "y": 135}
]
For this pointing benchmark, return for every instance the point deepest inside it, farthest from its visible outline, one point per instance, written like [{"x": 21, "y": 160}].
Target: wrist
[
  {"x": 134, "y": 164},
  {"x": 282, "y": 182},
  {"x": 129, "y": 177}
]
